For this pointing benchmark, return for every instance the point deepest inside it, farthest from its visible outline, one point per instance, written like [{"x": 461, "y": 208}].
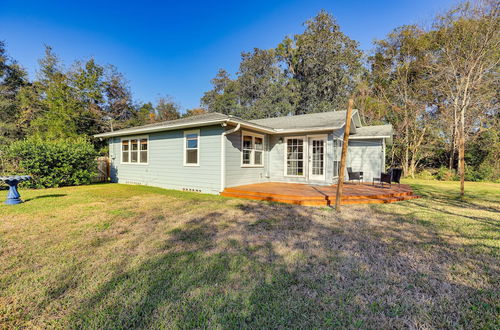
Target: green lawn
[{"x": 133, "y": 256}]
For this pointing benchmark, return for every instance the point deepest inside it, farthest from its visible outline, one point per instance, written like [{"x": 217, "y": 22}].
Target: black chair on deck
[
  {"x": 355, "y": 175},
  {"x": 393, "y": 175}
]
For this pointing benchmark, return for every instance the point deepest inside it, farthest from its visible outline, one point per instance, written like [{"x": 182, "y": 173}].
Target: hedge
[{"x": 53, "y": 163}]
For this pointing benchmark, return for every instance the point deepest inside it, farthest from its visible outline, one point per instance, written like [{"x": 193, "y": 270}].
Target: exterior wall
[
  {"x": 367, "y": 156},
  {"x": 165, "y": 166},
  {"x": 237, "y": 175},
  {"x": 277, "y": 160}
]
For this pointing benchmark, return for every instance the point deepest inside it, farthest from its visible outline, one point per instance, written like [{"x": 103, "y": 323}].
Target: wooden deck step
[
  {"x": 288, "y": 200},
  {"x": 317, "y": 201},
  {"x": 313, "y": 195}
]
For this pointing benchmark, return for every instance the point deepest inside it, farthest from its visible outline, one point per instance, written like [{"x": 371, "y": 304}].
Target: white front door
[{"x": 317, "y": 153}]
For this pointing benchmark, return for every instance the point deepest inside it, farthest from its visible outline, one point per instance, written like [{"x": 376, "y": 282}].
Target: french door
[
  {"x": 317, "y": 151},
  {"x": 306, "y": 157}
]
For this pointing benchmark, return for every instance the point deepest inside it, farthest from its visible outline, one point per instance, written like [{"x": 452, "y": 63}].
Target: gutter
[{"x": 223, "y": 154}]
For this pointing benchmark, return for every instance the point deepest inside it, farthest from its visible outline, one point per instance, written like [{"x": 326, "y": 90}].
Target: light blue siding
[
  {"x": 237, "y": 175},
  {"x": 367, "y": 156},
  {"x": 166, "y": 168}
]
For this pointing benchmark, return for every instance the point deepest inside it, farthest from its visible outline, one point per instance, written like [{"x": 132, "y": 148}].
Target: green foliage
[
  {"x": 12, "y": 79},
  {"x": 445, "y": 174},
  {"x": 324, "y": 63},
  {"x": 53, "y": 163},
  {"x": 312, "y": 72},
  {"x": 167, "y": 109},
  {"x": 424, "y": 175}
]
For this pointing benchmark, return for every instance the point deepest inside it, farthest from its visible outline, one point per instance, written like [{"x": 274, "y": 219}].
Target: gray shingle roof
[
  {"x": 316, "y": 120},
  {"x": 206, "y": 117},
  {"x": 376, "y": 130},
  {"x": 313, "y": 121}
]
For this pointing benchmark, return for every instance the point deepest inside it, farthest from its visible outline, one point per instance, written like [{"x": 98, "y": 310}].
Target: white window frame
[
  {"x": 252, "y": 153},
  {"x": 194, "y": 131},
  {"x": 129, "y": 139},
  {"x": 337, "y": 151},
  {"x": 305, "y": 166}
]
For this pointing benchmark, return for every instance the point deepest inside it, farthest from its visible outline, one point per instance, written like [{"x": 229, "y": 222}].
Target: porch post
[{"x": 345, "y": 143}]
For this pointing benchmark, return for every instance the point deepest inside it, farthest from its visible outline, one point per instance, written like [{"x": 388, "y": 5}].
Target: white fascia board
[{"x": 258, "y": 128}]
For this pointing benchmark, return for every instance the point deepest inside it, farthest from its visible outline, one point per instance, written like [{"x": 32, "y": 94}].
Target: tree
[
  {"x": 264, "y": 90},
  {"x": 58, "y": 99},
  {"x": 145, "y": 114},
  {"x": 119, "y": 107},
  {"x": 313, "y": 72},
  {"x": 12, "y": 79},
  {"x": 195, "y": 112},
  {"x": 223, "y": 97},
  {"x": 402, "y": 82},
  {"x": 167, "y": 109},
  {"x": 324, "y": 62},
  {"x": 467, "y": 40}
]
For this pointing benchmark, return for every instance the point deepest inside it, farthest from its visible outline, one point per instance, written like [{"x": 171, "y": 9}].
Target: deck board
[{"x": 314, "y": 195}]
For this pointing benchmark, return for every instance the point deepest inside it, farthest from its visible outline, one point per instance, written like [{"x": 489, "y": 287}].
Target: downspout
[{"x": 223, "y": 155}]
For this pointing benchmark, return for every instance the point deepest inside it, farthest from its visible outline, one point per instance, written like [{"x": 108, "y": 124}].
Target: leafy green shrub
[
  {"x": 444, "y": 174},
  {"x": 425, "y": 175},
  {"x": 54, "y": 163}
]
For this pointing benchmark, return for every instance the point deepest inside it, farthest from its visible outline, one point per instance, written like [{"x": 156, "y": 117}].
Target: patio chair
[
  {"x": 392, "y": 175},
  {"x": 355, "y": 175}
]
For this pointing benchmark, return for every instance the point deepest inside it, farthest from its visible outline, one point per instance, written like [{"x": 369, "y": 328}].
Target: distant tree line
[
  {"x": 438, "y": 87},
  {"x": 85, "y": 99}
]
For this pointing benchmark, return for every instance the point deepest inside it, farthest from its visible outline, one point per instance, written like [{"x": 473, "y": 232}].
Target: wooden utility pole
[{"x": 345, "y": 143}]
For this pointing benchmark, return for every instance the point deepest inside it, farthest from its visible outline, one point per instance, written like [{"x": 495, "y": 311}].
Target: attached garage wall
[{"x": 367, "y": 156}]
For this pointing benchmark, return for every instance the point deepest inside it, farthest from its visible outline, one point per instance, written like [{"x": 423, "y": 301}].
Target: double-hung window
[
  {"x": 135, "y": 150},
  {"x": 191, "y": 148},
  {"x": 252, "y": 150}
]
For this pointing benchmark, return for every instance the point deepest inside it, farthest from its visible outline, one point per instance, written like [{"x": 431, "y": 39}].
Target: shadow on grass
[
  {"x": 45, "y": 196},
  {"x": 281, "y": 266}
]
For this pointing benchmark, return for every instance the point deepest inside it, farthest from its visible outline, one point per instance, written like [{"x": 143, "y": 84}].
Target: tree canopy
[{"x": 437, "y": 86}]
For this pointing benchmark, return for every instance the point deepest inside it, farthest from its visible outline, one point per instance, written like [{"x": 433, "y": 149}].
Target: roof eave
[
  {"x": 159, "y": 129},
  {"x": 304, "y": 130}
]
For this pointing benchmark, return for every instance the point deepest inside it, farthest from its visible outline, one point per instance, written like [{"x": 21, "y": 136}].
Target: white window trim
[
  {"x": 129, "y": 139},
  {"x": 305, "y": 144},
  {"x": 194, "y": 131},
  {"x": 252, "y": 154},
  {"x": 339, "y": 145}
]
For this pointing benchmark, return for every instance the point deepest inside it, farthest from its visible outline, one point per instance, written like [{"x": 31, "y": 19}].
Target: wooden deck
[{"x": 311, "y": 195}]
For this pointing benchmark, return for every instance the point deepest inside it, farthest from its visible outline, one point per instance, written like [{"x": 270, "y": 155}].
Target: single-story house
[{"x": 210, "y": 152}]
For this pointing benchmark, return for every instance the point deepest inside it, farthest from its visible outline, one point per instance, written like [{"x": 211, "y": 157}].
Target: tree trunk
[
  {"x": 453, "y": 147},
  {"x": 406, "y": 158},
  {"x": 343, "y": 157},
  {"x": 461, "y": 153}
]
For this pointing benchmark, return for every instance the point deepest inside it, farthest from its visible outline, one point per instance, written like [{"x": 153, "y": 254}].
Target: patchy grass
[{"x": 119, "y": 256}]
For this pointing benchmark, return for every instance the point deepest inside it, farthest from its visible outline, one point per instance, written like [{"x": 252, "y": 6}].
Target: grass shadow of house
[{"x": 266, "y": 265}]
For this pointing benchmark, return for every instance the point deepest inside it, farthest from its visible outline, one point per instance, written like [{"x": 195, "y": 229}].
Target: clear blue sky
[{"x": 175, "y": 48}]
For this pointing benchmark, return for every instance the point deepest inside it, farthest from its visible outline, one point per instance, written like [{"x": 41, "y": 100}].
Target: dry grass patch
[{"x": 130, "y": 256}]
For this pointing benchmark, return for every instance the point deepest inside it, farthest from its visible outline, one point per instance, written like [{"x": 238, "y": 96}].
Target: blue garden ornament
[{"x": 13, "y": 196}]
